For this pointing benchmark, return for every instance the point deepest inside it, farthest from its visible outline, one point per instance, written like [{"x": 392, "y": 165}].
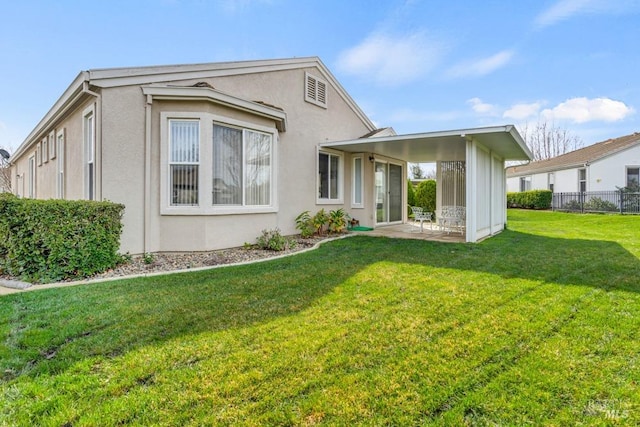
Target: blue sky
[{"x": 415, "y": 65}]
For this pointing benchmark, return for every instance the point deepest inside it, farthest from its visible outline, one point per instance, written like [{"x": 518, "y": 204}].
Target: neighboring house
[
  {"x": 604, "y": 166},
  {"x": 206, "y": 156}
]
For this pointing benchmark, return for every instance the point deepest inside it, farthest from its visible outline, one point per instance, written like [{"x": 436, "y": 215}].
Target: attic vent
[
  {"x": 202, "y": 84},
  {"x": 315, "y": 90}
]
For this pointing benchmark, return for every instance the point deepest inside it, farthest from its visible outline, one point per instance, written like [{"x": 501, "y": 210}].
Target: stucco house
[
  {"x": 604, "y": 166},
  {"x": 205, "y": 156}
]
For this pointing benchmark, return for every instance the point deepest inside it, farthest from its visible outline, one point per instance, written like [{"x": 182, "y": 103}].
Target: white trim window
[
  {"x": 31, "y": 183},
  {"x": 357, "y": 181},
  {"x": 38, "y": 153},
  {"x": 232, "y": 173},
  {"x": 52, "y": 145},
  {"x": 45, "y": 150},
  {"x": 329, "y": 177},
  {"x": 525, "y": 183},
  {"x": 89, "y": 137},
  {"x": 59, "y": 146},
  {"x": 633, "y": 176},
  {"x": 582, "y": 180},
  {"x": 315, "y": 90},
  {"x": 184, "y": 162},
  {"x": 241, "y": 166}
]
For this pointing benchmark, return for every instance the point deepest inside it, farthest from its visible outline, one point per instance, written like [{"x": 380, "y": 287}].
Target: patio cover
[{"x": 504, "y": 141}]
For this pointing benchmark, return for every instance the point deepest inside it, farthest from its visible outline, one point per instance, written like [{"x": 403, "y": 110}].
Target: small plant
[
  {"x": 319, "y": 220},
  {"x": 599, "y": 205},
  {"x": 148, "y": 258},
  {"x": 273, "y": 240},
  {"x": 304, "y": 223},
  {"x": 337, "y": 221}
]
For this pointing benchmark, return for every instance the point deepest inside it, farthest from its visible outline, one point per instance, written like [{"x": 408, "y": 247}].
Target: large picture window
[{"x": 241, "y": 167}]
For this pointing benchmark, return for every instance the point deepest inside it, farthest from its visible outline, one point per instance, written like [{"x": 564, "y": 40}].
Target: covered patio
[{"x": 470, "y": 171}]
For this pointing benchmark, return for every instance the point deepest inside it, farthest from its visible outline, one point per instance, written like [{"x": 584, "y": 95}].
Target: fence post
[{"x": 621, "y": 203}]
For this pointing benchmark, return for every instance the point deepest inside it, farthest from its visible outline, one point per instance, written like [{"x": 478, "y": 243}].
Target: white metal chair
[{"x": 420, "y": 215}]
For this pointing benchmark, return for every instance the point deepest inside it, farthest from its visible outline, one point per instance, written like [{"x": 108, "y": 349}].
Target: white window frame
[
  {"x": 580, "y": 180},
  {"x": 31, "y": 183},
  {"x": 89, "y": 150},
  {"x": 354, "y": 179},
  {"x": 38, "y": 153},
  {"x": 60, "y": 165},
  {"x": 525, "y": 183},
  {"x": 205, "y": 171},
  {"x": 197, "y": 163},
  {"x": 315, "y": 90},
  {"x": 52, "y": 145},
  {"x": 626, "y": 174},
  {"x": 340, "y": 196},
  {"x": 45, "y": 150}
]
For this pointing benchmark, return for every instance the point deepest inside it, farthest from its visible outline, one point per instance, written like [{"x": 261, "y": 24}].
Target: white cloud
[
  {"x": 565, "y": 9},
  {"x": 390, "y": 60},
  {"x": 582, "y": 110},
  {"x": 523, "y": 111},
  {"x": 482, "y": 66},
  {"x": 481, "y": 107}
]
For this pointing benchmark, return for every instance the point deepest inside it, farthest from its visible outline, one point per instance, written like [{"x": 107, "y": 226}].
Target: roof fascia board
[
  {"x": 437, "y": 134},
  {"x": 148, "y": 75},
  {"x": 67, "y": 100},
  {"x": 217, "y": 97},
  {"x": 545, "y": 170}
]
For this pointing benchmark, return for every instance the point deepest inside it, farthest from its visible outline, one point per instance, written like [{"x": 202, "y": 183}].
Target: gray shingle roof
[{"x": 579, "y": 157}]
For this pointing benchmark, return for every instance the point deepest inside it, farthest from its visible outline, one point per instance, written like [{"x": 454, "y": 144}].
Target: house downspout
[
  {"x": 98, "y": 142},
  {"x": 147, "y": 176}
]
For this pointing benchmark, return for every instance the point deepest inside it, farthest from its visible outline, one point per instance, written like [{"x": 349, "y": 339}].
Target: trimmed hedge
[
  {"x": 51, "y": 240},
  {"x": 534, "y": 199}
]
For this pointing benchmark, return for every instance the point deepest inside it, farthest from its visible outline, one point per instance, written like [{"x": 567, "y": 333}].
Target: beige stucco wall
[
  {"x": 121, "y": 135},
  {"x": 46, "y": 172},
  {"x": 123, "y": 158}
]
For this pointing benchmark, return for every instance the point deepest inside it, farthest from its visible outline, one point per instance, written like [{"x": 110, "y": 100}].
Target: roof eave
[
  {"x": 218, "y": 97},
  {"x": 68, "y": 98}
]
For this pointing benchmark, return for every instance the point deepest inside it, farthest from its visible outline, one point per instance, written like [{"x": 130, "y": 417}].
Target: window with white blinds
[
  {"x": 241, "y": 167},
  {"x": 215, "y": 165},
  {"x": 184, "y": 161}
]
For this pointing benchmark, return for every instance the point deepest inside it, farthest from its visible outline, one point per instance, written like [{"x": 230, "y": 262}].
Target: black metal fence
[{"x": 597, "y": 201}]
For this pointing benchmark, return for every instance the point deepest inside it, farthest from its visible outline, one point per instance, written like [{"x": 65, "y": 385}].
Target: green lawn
[{"x": 536, "y": 326}]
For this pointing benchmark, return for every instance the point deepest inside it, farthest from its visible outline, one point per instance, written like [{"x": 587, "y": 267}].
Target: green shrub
[
  {"x": 319, "y": 220},
  {"x": 52, "y": 240},
  {"x": 337, "y": 221},
  {"x": 304, "y": 223},
  {"x": 534, "y": 199},
  {"x": 411, "y": 195},
  {"x": 274, "y": 241},
  {"x": 426, "y": 195},
  {"x": 599, "y": 205}
]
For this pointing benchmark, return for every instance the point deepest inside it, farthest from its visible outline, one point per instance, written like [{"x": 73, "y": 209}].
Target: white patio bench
[{"x": 452, "y": 218}]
